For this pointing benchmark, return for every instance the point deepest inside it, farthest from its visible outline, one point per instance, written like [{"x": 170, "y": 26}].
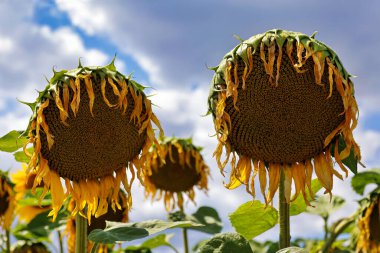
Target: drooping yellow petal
[
  {"x": 263, "y": 180},
  {"x": 274, "y": 179},
  {"x": 288, "y": 182},
  {"x": 90, "y": 92},
  {"x": 103, "y": 90}
]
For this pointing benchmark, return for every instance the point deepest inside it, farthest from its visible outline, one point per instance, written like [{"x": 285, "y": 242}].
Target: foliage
[{"x": 226, "y": 243}]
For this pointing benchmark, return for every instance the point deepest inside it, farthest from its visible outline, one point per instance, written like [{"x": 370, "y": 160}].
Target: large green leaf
[
  {"x": 123, "y": 232},
  {"x": 155, "y": 242},
  {"x": 12, "y": 141},
  {"x": 362, "y": 179},
  {"x": 205, "y": 215},
  {"x": 299, "y": 205},
  {"x": 292, "y": 250},
  {"x": 252, "y": 219},
  {"x": 209, "y": 217},
  {"x": 226, "y": 243},
  {"x": 323, "y": 206}
]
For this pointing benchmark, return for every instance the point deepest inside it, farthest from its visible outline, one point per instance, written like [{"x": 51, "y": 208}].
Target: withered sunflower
[
  {"x": 7, "y": 201},
  {"x": 369, "y": 226},
  {"x": 118, "y": 213},
  {"x": 283, "y": 99},
  {"x": 88, "y": 125},
  {"x": 23, "y": 184},
  {"x": 179, "y": 169},
  {"x": 31, "y": 248}
]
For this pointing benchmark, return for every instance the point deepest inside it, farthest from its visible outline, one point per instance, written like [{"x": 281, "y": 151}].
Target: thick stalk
[
  {"x": 284, "y": 214},
  {"x": 185, "y": 241},
  {"x": 8, "y": 234},
  {"x": 60, "y": 242},
  {"x": 81, "y": 234}
]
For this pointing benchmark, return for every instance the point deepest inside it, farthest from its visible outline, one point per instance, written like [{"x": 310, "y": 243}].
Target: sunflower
[
  {"x": 7, "y": 201},
  {"x": 23, "y": 184},
  {"x": 369, "y": 226},
  {"x": 88, "y": 125},
  {"x": 282, "y": 99},
  {"x": 182, "y": 169},
  {"x": 118, "y": 213},
  {"x": 31, "y": 248}
]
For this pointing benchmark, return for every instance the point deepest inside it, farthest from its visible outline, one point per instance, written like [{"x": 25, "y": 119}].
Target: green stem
[
  {"x": 95, "y": 248},
  {"x": 81, "y": 234},
  {"x": 284, "y": 214},
  {"x": 8, "y": 234},
  {"x": 336, "y": 230},
  {"x": 185, "y": 241},
  {"x": 60, "y": 241},
  {"x": 326, "y": 227}
]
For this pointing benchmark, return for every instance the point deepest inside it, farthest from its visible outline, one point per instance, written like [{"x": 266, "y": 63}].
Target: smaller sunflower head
[
  {"x": 180, "y": 168},
  {"x": 369, "y": 226},
  {"x": 117, "y": 213},
  {"x": 24, "y": 185},
  {"x": 7, "y": 201},
  {"x": 31, "y": 248}
]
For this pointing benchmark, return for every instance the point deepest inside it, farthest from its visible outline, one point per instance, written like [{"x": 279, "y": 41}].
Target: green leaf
[
  {"x": 299, "y": 205},
  {"x": 209, "y": 217},
  {"x": 226, "y": 243},
  {"x": 31, "y": 199},
  {"x": 324, "y": 207},
  {"x": 361, "y": 180},
  {"x": 123, "y": 232},
  {"x": 292, "y": 250},
  {"x": 12, "y": 141},
  {"x": 21, "y": 157},
  {"x": 252, "y": 219},
  {"x": 155, "y": 242}
]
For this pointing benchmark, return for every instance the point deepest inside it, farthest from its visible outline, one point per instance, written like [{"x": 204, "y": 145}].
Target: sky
[{"x": 168, "y": 45}]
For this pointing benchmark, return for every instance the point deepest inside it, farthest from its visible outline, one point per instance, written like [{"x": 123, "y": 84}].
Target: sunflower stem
[
  {"x": 8, "y": 234},
  {"x": 81, "y": 234},
  {"x": 283, "y": 214},
  {"x": 185, "y": 241},
  {"x": 60, "y": 242}
]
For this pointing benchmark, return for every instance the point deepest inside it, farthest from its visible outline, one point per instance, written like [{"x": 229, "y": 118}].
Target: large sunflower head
[
  {"x": 7, "y": 201},
  {"x": 88, "y": 125},
  {"x": 118, "y": 213},
  {"x": 283, "y": 100},
  {"x": 23, "y": 185},
  {"x": 181, "y": 169},
  {"x": 369, "y": 226}
]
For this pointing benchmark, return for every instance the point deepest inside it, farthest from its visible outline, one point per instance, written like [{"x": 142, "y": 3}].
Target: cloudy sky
[{"x": 168, "y": 45}]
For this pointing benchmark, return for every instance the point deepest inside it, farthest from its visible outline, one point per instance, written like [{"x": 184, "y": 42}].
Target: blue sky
[{"x": 168, "y": 45}]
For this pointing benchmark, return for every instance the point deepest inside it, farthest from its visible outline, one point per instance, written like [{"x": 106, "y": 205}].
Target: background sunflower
[
  {"x": 7, "y": 201},
  {"x": 23, "y": 186},
  {"x": 175, "y": 173}
]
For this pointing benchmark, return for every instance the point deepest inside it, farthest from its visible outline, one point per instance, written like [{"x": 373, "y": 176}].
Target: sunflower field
[{"x": 96, "y": 150}]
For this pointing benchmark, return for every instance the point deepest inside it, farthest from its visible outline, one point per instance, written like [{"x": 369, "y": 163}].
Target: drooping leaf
[
  {"x": 292, "y": 250},
  {"x": 252, "y": 219},
  {"x": 362, "y": 179},
  {"x": 299, "y": 205},
  {"x": 324, "y": 207},
  {"x": 155, "y": 242},
  {"x": 123, "y": 232},
  {"x": 21, "y": 157},
  {"x": 226, "y": 243},
  {"x": 209, "y": 217},
  {"x": 12, "y": 141}
]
